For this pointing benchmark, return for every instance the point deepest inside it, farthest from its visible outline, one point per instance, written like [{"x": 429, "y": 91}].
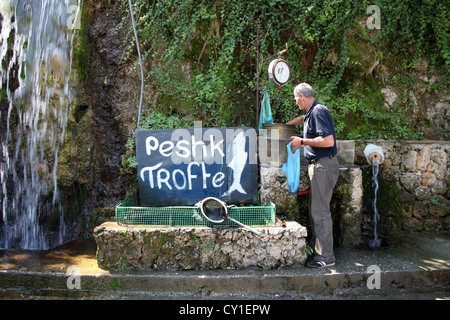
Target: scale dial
[{"x": 279, "y": 72}]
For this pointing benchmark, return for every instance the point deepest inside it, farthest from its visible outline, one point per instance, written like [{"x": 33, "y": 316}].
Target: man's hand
[{"x": 296, "y": 141}]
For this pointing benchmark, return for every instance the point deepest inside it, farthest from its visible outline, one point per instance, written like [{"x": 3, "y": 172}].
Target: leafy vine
[{"x": 201, "y": 56}]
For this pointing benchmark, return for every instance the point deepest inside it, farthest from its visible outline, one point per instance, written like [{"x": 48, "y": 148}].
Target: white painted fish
[{"x": 237, "y": 164}]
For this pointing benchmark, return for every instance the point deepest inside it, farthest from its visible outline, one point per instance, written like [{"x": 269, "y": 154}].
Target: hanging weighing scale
[{"x": 279, "y": 72}]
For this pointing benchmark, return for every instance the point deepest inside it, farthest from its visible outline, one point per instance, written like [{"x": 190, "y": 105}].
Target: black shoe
[
  {"x": 319, "y": 264},
  {"x": 310, "y": 257}
]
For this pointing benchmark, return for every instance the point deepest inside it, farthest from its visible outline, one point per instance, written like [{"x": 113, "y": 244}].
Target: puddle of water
[{"x": 81, "y": 253}]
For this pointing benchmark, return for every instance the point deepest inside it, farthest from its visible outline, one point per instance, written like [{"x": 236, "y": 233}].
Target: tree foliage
[{"x": 203, "y": 57}]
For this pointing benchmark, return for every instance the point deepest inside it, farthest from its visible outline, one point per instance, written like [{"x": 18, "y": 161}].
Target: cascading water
[
  {"x": 36, "y": 53},
  {"x": 375, "y": 156},
  {"x": 376, "y": 217}
]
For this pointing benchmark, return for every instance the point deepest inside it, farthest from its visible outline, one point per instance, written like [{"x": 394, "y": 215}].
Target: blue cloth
[
  {"x": 265, "y": 113},
  {"x": 292, "y": 170}
]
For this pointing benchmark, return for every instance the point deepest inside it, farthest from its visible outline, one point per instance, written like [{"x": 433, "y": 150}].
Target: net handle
[
  {"x": 243, "y": 225},
  {"x": 224, "y": 205}
]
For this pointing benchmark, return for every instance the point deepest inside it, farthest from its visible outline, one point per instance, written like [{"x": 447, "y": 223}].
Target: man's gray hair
[{"x": 305, "y": 89}]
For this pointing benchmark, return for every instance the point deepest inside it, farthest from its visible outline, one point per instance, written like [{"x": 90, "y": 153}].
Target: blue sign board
[{"x": 183, "y": 166}]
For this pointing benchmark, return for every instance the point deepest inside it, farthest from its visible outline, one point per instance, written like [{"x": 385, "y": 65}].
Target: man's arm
[
  {"x": 321, "y": 142},
  {"x": 296, "y": 121}
]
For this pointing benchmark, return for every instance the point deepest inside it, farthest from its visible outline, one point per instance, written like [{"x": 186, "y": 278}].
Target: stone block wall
[
  {"x": 274, "y": 188},
  {"x": 347, "y": 199},
  {"x": 177, "y": 248},
  {"x": 346, "y": 204},
  {"x": 274, "y": 182},
  {"x": 417, "y": 176},
  {"x": 413, "y": 192}
]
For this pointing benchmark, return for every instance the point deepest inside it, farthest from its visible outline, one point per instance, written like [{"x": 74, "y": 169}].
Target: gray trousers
[{"x": 323, "y": 176}]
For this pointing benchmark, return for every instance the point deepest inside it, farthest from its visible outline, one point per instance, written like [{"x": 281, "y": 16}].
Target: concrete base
[
  {"x": 411, "y": 266},
  {"x": 176, "y": 248}
]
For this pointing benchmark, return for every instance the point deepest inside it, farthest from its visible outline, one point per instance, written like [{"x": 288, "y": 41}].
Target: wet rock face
[
  {"x": 105, "y": 98},
  {"x": 104, "y": 88},
  {"x": 145, "y": 248}
]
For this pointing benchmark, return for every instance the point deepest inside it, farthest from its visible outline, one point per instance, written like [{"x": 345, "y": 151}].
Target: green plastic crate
[{"x": 128, "y": 212}]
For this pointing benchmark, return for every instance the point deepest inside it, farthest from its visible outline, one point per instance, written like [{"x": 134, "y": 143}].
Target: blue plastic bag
[{"x": 292, "y": 170}]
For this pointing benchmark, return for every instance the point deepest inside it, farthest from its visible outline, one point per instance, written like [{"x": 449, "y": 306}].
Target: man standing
[{"x": 319, "y": 140}]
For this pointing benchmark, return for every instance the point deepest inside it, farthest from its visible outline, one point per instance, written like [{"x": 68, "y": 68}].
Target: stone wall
[
  {"x": 346, "y": 203},
  {"x": 413, "y": 192},
  {"x": 347, "y": 199},
  {"x": 145, "y": 247},
  {"x": 274, "y": 183},
  {"x": 417, "y": 176}
]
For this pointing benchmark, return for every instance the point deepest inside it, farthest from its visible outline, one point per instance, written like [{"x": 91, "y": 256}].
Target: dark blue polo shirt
[{"x": 318, "y": 122}]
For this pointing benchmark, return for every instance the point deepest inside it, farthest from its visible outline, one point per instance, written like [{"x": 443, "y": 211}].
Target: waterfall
[{"x": 36, "y": 53}]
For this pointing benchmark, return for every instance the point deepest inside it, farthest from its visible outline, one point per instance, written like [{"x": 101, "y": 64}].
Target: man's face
[{"x": 300, "y": 100}]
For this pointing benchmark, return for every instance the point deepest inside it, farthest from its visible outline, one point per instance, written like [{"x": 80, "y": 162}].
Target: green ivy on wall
[{"x": 202, "y": 61}]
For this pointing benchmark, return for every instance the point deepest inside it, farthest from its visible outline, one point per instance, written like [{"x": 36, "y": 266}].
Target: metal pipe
[{"x": 140, "y": 64}]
